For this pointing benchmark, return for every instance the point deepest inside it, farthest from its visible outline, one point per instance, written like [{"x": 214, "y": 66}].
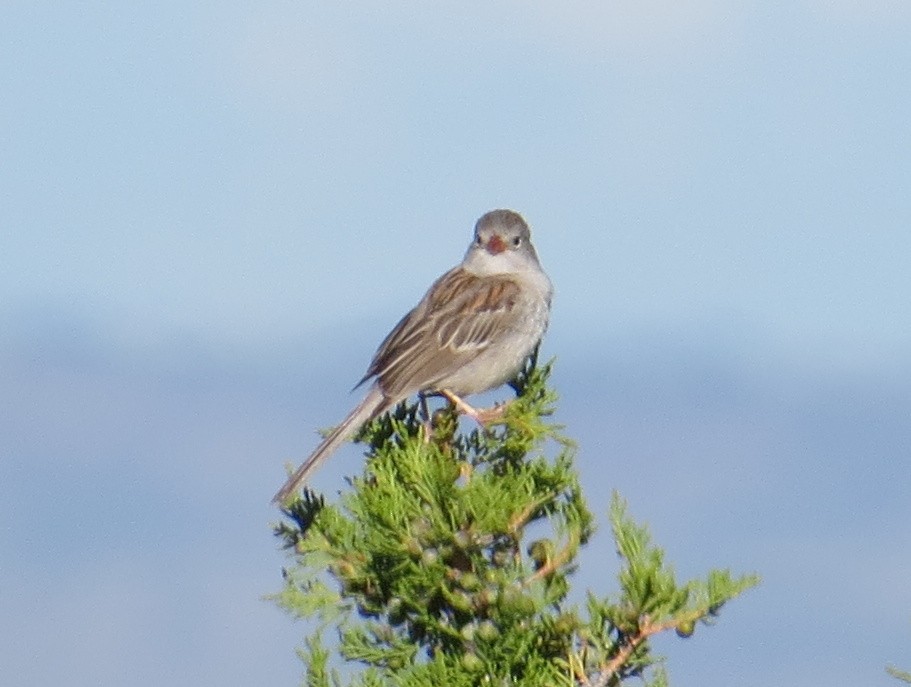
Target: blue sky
[{"x": 211, "y": 214}]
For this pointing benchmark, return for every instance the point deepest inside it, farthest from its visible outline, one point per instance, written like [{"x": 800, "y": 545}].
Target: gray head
[{"x": 502, "y": 243}]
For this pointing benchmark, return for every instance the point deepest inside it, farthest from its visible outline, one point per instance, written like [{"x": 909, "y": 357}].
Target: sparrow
[{"x": 471, "y": 332}]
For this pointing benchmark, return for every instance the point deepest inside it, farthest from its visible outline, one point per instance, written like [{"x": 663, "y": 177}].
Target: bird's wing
[{"x": 460, "y": 316}]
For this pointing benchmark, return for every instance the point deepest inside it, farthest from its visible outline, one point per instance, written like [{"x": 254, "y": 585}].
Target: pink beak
[{"x": 495, "y": 245}]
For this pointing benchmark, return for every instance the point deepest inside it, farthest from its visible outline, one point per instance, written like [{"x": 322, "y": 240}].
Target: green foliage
[{"x": 424, "y": 569}]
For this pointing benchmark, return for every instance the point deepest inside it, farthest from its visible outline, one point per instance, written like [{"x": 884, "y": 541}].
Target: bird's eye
[
  {"x": 517, "y": 241},
  {"x": 478, "y": 241}
]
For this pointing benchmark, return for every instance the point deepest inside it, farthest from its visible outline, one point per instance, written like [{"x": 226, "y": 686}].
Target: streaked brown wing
[{"x": 459, "y": 317}]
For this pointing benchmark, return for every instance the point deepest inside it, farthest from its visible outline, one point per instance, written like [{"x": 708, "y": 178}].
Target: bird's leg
[
  {"x": 483, "y": 416},
  {"x": 428, "y": 420}
]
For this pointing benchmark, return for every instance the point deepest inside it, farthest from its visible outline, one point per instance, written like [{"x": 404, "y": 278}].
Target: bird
[{"x": 471, "y": 332}]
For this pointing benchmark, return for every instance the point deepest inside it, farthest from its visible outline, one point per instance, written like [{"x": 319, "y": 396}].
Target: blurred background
[{"x": 211, "y": 214}]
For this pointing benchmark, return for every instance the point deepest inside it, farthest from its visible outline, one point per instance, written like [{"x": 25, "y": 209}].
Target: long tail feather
[{"x": 374, "y": 404}]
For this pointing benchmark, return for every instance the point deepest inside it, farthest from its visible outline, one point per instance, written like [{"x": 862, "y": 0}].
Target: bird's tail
[{"x": 374, "y": 404}]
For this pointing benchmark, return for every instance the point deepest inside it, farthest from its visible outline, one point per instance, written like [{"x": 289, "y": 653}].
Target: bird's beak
[{"x": 495, "y": 245}]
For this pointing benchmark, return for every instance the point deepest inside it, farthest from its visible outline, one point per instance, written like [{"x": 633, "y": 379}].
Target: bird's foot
[{"x": 483, "y": 416}]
